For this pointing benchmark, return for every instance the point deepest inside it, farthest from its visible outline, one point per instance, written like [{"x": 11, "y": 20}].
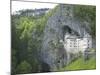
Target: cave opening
[{"x": 66, "y": 29}]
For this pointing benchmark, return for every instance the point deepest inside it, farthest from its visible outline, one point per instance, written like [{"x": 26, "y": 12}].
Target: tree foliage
[
  {"x": 24, "y": 67},
  {"x": 27, "y": 33},
  {"x": 87, "y": 13}
]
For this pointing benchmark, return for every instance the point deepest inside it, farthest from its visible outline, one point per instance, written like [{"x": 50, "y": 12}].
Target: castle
[{"x": 75, "y": 44}]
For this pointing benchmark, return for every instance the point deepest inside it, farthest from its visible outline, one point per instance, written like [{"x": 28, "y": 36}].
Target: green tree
[
  {"x": 27, "y": 34},
  {"x": 87, "y": 13},
  {"x": 24, "y": 67}
]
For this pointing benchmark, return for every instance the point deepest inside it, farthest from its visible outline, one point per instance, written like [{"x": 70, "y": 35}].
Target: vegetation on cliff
[
  {"x": 87, "y": 13},
  {"x": 27, "y": 33}
]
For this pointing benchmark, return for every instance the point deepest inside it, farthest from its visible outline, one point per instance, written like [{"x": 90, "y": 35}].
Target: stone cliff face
[{"x": 62, "y": 21}]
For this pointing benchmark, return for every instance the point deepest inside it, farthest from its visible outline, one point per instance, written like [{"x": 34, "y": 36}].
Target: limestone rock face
[{"x": 62, "y": 21}]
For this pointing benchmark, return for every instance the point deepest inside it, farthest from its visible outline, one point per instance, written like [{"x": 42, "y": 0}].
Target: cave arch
[{"x": 66, "y": 29}]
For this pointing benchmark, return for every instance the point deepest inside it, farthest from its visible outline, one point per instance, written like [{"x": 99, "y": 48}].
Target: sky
[
  {"x": 16, "y": 5},
  {"x": 19, "y": 5}
]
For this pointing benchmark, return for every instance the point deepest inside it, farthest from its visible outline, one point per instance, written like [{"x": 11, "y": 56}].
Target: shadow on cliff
[{"x": 45, "y": 67}]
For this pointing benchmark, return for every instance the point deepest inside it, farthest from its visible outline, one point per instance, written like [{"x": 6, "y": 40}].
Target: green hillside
[{"x": 80, "y": 64}]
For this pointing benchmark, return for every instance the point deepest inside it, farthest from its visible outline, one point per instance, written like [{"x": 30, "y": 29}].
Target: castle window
[
  {"x": 58, "y": 61},
  {"x": 70, "y": 46},
  {"x": 88, "y": 44}
]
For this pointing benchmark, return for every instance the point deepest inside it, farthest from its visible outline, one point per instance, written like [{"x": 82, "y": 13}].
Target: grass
[{"x": 80, "y": 64}]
